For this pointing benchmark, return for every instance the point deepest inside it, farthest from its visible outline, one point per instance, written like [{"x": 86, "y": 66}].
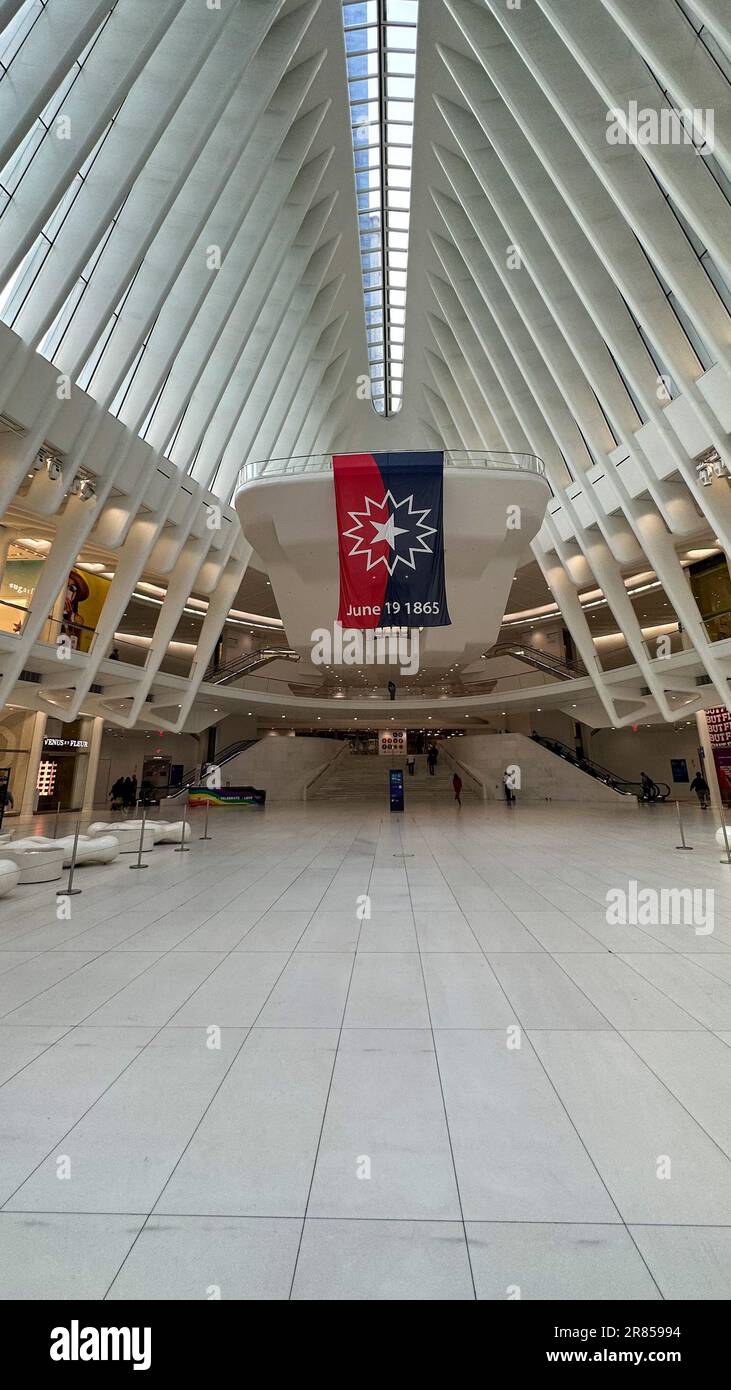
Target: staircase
[{"x": 364, "y": 777}]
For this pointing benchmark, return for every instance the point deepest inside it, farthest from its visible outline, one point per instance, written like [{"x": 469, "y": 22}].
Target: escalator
[
  {"x": 538, "y": 659},
  {"x": 244, "y": 665},
  {"x": 192, "y": 777},
  {"x": 621, "y": 785}
]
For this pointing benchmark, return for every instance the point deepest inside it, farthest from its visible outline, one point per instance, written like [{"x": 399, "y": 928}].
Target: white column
[
  {"x": 92, "y": 764},
  {"x": 30, "y": 795}
]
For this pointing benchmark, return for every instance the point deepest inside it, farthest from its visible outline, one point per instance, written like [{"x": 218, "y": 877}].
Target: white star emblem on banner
[{"x": 388, "y": 529}]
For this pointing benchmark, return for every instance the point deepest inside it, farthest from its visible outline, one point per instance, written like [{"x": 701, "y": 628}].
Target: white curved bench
[
  {"x": 36, "y": 863},
  {"x": 163, "y": 832},
  {"x": 166, "y": 832},
  {"x": 9, "y": 875},
  {"x": 90, "y": 849},
  {"x": 126, "y": 833},
  {"x": 169, "y": 832}
]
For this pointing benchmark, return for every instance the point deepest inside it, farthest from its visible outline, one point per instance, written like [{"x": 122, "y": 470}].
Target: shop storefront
[{"x": 62, "y": 770}]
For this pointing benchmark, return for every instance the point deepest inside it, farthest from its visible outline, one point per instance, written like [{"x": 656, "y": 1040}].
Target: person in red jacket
[{"x": 457, "y": 784}]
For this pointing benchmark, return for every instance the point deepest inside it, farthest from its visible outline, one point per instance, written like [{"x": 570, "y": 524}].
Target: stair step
[{"x": 365, "y": 777}]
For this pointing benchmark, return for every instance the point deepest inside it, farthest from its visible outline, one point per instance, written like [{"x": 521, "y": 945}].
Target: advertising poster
[
  {"x": 718, "y": 720},
  {"x": 391, "y": 539},
  {"x": 226, "y": 796},
  {"x": 392, "y": 743},
  {"x": 17, "y": 587},
  {"x": 85, "y": 596}
]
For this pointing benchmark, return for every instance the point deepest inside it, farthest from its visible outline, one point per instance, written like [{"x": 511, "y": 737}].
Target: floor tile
[
  {"x": 637, "y": 1132},
  {"x": 210, "y": 1258},
  {"x": 462, "y": 992},
  {"x": 541, "y": 993},
  {"x": 377, "y": 1260},
  {"x": 624, "y": 997},
  {"x": 127, "y": 1144},
  {"x": 65, "y": 1257},
  {"x": 310, "y": 992},
  {"x": 254, "y": 1151},
  {"x": 387, "y": 991},
  {"x": 552, "y": 1261},
  {"x": 688, "y": 1262},
  {"x": 385, "y": 1150},
  {"x": 517, "y": 1155}
]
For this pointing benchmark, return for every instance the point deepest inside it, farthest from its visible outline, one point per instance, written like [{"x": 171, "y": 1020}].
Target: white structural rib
[{"x": 182, "y": 253}]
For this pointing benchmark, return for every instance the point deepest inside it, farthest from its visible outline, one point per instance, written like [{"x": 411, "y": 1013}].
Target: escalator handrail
[
  {"x": 624, "y": 785},
  {"x": 537, "y": 657}
]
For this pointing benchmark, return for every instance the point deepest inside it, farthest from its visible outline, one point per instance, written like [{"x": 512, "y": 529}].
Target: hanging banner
[{"x": 391, "y": 540}]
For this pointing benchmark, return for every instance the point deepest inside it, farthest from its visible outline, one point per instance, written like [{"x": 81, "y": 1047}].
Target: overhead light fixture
[
  {"x": 82, "y": 487},
  {"x": 710, "y": 465}
]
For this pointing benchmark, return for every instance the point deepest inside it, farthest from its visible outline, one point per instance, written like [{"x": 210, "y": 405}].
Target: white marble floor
[{"x": 334, "y": 1053}]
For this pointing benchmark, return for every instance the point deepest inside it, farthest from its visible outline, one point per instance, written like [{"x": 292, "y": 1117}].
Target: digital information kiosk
[{"x": 396, "y": 788}]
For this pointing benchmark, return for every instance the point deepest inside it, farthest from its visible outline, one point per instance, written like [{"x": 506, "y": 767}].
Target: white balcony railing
[{"x": 453, "y": 458}]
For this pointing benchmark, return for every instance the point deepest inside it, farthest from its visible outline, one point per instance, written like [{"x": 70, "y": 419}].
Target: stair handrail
[
  {"x": 322, "y": 770},
  {"x": 479, "y": 785}
]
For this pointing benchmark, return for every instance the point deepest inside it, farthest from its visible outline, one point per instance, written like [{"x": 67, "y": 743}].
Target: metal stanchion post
[
  {"x": 69, "y": 891},
  {"x": 682, "y": 844},
  {"x": 727, "y": 860},
  {"x": 182, "y": 847},
  {"x": 139, "y": 864},
  {"x": 205, "y": 835},
  {"x": 55, "y": 823}
]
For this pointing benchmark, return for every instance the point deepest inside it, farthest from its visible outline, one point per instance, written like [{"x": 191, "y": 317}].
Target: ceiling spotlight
[
  {"x": 710, "y": 465},
  {"x": 83, "y": 488}
]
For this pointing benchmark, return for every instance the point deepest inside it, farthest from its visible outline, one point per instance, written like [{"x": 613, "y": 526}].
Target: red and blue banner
[{"x": 391, "y": 540}]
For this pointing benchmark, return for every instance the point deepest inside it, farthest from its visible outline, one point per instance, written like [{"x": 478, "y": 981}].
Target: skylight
[{"x": 380, "y": 48}]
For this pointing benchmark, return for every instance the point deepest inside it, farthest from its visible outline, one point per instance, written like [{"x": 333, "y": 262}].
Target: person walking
[
  {"x": 431, "y": 760},
  {"x": 508, "y": 787},
  {"x": 133, "y": 790},
  {"x": 649, "y": 788},
  {"x": 700, "y": 786},
  {"x": 117, "y": 794},
  {"x": 411, "y": 764},
  {"x": 457, "y": 784},
  {"x": 391, "y": 690}
]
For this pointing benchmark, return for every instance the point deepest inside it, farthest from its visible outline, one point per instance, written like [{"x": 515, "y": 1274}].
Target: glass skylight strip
[{"x": 380, "y": 49}]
